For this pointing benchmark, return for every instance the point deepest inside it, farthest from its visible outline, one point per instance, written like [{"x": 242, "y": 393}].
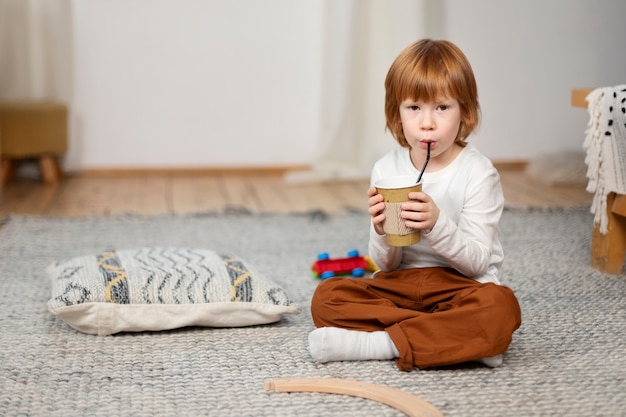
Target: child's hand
[
  {"x": 421, "y": 212},
  {"x": 376, "y": 207}
]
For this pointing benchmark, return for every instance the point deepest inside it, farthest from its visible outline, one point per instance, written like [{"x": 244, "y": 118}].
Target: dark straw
[{"x": 425, "y": 163}]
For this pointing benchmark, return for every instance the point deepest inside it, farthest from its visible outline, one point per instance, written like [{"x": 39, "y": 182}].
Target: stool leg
[
  {"x": 608, "y": 250},
  {"x": 7, "y": 170},
  {"x": 50, "y": 169}
]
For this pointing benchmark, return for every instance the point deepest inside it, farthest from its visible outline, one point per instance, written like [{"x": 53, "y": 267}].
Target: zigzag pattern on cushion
[
  {"x": 241, "y": 284},
  {"x": 162, "y": 276},
  {"x": 174, "y": 275},
  {"x": 116, "y": 285}
]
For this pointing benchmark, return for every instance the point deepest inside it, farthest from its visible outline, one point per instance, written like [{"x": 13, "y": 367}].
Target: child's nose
[{"x": 427, "y": 122}]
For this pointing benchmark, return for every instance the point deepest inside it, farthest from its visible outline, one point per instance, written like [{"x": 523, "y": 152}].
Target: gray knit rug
[{"x": 567, "y": 359}]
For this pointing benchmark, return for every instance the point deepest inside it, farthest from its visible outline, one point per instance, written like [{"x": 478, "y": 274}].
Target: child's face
[{"x": 437, "y": 122}]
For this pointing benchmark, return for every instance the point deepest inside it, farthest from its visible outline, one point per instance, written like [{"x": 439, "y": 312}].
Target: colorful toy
[{"x": 354, "y": 265}]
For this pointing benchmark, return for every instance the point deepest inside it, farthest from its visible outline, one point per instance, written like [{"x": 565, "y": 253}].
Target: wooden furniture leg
[
  {"x": 608, "y": 250},
  {"x": 409, "y": 404},
  {"x": 50, "y": 169},
  {"x": 49, "y": 166},
  {"x": 6, "y": 173}
]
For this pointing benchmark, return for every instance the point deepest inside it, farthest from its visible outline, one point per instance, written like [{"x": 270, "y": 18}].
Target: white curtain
[
  {"x": 361, "y": 39},
  {"x": 35, "y": 50}
]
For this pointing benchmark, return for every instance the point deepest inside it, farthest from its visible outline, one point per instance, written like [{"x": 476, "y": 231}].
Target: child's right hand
[{"x": 376, "y": 207}]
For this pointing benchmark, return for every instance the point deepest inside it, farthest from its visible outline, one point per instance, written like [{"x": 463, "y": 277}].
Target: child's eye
[
  {"x": 443, "y": 107},
  {"x": 414, "y": 108}
]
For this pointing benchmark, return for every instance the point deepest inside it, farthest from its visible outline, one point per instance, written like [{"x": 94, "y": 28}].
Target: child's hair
[{"x": 428, "y": 69}]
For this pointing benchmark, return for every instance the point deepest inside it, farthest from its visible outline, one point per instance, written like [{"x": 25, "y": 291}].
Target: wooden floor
[{"x": 176, "y": 193}]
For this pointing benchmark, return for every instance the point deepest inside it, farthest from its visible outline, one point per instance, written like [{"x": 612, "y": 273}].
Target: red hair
[{"x": 428, "y": 69}]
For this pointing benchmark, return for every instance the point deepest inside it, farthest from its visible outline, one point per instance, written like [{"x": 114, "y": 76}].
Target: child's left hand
[{"x": 421, "y": 212}]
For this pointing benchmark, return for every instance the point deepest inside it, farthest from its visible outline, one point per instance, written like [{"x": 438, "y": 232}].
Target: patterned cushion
[{"x": 162, "y": 288}]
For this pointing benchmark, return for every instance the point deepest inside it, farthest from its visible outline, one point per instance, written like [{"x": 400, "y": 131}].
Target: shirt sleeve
[
  {"x": 385, "y": 257},
  {"x": 468, "y": 244}
]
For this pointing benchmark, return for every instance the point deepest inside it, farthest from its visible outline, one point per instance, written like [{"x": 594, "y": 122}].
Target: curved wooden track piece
[{"x": 409, "y": 404}]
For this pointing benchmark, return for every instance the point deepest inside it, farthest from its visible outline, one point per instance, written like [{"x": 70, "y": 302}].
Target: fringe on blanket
[{"x": 605, "y": 144}]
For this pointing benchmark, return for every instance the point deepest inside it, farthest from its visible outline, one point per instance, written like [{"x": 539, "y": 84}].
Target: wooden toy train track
[{"x": 409, "y": 404}]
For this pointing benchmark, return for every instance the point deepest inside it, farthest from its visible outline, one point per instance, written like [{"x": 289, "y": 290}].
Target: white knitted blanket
[{"x": 605, "y": 144}]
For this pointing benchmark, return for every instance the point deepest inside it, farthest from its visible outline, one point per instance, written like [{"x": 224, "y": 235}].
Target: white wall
[
  {"x": 164, "y": 83},
  {"x": 199, "y": 83},
  {"x": 527, "y": 56}
]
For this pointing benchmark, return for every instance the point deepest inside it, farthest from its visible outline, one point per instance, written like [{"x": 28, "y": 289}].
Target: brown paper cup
[{"x": 395, "y": 191}]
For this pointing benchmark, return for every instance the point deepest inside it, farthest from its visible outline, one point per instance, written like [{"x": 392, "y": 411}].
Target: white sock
[
  {"x": 334, "y": 344},
  {"x": 492, "y": 361}
]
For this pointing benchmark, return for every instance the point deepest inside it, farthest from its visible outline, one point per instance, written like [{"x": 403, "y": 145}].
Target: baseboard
[
  {"x": 190, "y": 171},
  {"x": 510, "y": 165},
  {"x": 231, "y": 170}
]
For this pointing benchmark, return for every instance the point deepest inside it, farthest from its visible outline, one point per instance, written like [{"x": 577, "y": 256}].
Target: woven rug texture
[{"x": 567, "y": 359}]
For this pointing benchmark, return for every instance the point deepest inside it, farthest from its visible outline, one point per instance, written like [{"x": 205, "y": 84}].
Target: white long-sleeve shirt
[{"x": 465, "y": 237}]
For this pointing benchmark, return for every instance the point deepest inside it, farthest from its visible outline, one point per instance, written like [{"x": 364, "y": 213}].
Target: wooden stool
[
  {"x": 33, "y": 130},
  {"x": 607, "y": 250}
]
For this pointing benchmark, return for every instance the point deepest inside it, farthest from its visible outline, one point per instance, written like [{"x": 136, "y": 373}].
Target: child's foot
[
  {"x": 334, "y": 344},
  {"x": 492, "y": 361}
]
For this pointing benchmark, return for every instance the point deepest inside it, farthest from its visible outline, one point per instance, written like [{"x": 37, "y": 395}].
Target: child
[{"x": 437, "y": 302}]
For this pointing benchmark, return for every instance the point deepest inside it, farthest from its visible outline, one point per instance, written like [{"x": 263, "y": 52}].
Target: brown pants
[{"x": 434, "y": 316}]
